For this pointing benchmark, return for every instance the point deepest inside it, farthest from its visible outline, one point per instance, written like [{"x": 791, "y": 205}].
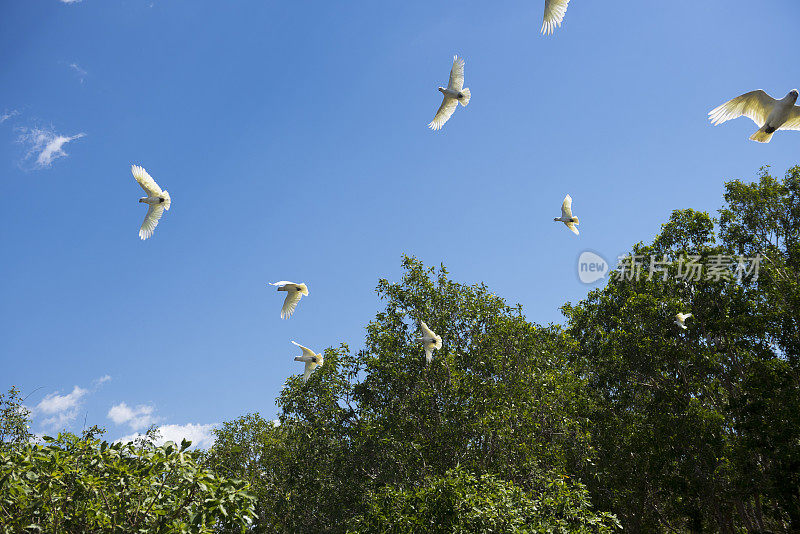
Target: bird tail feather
[
  {"x": 167, "y": 200},
  {"x": 464, "y": 101},
  {"x": 575, "y": 220},
  {"x": 762, "y": 136}
]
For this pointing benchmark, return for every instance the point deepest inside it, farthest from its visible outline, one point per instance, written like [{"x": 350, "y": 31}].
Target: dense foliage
[
  {"x": 81, "y": 484},
  {"x": 700, "y": 429},
  {"x": 619, "y": 419},
  {"x": 14, "y": 420},
  {"x": 461, "y": 502},
  {"x": 493, "y": 423}
]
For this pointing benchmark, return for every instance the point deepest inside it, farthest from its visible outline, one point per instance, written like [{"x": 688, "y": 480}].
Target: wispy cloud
[
  {"x": 201, "y": 436},
  {"x": 102, "y": 380},
  {"x": 70, "y": 1},
  {"x": 7, "y": 115},
  {"x": 54, "y": 403},
  {"x": 136, "y": 418},
  {"x": 44, "y": 145},
  {"x": 62, "y": 409},
  {"x": 79, "y": 71}
]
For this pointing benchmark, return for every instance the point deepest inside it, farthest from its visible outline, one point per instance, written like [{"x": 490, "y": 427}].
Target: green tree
[
  {"x": 499, "y": 404},
  {"x": 697, "y": 429},
  {"x": 764, "y": 218},
  {"x": 77, "y": 484},
  {"x": 14, "y": 420},
  {"x": 459, "y": 502}
]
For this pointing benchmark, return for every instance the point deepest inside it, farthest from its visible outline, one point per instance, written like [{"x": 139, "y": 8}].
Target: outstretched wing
[
  {"x": 290, "y": 303},
  {"x": 754, "y": 105},
  {"x": 146, "y": 181},
  {"x": 307, "y": 353},
  {"x": 793, "y": 122},
  {"x": 426, "y": 332},
  {"x": 307, "y": 371},
  {"x": 456, "y": 82},
  {"x": 151, "y": 220},
  {"x": 571, "y": 226},
  {"x": 566, "y": 207},
  {"x": 444, "y": 113},
  {"x": 554, "y": 11}
]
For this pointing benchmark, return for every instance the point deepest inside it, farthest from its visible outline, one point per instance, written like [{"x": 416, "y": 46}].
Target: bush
[{"x": 82, "y": 484}]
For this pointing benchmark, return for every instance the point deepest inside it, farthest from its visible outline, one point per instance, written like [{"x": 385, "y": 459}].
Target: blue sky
[{"x": 292, "y": 138}]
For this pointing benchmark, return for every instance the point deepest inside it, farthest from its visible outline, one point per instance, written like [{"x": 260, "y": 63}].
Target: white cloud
[
  {"x": 63, "y": 409},
  {"x": 79, "y": 71},
  {"x": 201, "y": 436},
  {"x": 70, "y": 1},
  {"x": 55, "y": 403},
  {"x": 45, "y": 144},
  {"x": 137, "y": 418},
  {"x": 7, "y": 115},
  {"x": 60, "y": 420},
  {"x": 102, "y": 380}
]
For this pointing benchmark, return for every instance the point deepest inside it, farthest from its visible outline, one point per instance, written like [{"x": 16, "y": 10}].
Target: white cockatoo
[
  {"x": 554, "y": 11},
  {"x": 680, "y": 319},
  {"x": 429, "y": 340},
  {"x": 566, "y": 215},
  {"x": 156, "y": 199},
  {"x": 769, "y": 114},
  {"x": 454, "y": 94},
  {"x": 310, "y": 359},
  {"x": 293, "y": 294}
]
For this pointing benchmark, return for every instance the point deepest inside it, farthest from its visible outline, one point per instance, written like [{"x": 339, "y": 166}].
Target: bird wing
[
  {"x": 427, "y": 332},
  {"x": 793, "y": 122},
  {"x": 290, "y": 303},
  {"x": 151, "y": 220},
  {"x": 282, "y": 283},
  {"x": 444, "y": 113},
  {"x": 428, "y": 353},
  {"x": 571, "y": 226},
  {"x": 554, "y": 11},
  {"x": 456, "y": 82},
  {"x": 754, "y": 105},
  {"x": 566, "y": 207},
  {"x": 307, "y": 372},
  {"x": 146, "y": 181},
  {"x": 306, "y": 351}
]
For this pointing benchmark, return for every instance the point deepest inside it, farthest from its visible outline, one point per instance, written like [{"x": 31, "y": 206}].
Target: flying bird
[
  {"x": 293, "y": 294},
  {"x": 554, "y": 11},
  {"x": 769, "y": 114},
  {"x": 680, "y": 319},
  {"x": 429, "y": 340},
  {"x": 566, "y": 215},
  {"x": 156, "y": 199},
  {"x": 311, "y": 360},
  {"x": 454, "y": 94}
]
